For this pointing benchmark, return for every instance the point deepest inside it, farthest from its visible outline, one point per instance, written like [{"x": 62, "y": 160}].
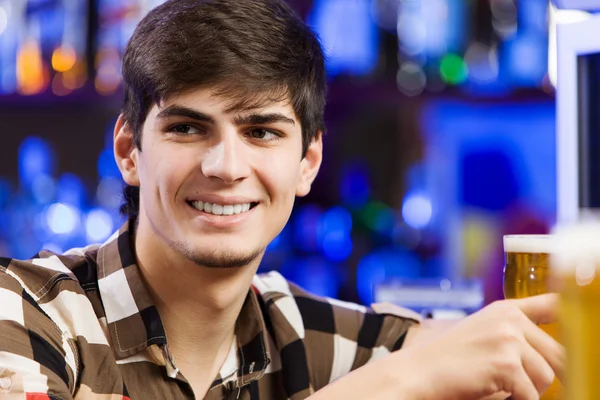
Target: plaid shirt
[{"x": 82, "y": 325}]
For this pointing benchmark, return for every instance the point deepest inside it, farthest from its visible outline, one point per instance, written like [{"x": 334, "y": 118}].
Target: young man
[{"x": 220, "y": 131}]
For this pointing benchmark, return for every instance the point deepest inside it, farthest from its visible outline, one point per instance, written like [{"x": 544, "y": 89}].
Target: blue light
[
  {"x": 9, "y": 40},
  {"x": 307, "y": 225},
  {"x": 98, "y": 225},
  {"x": 107, "y": 166},
  {"x": 337, "y": 219},
  {"x": 431, "y": 28},
  {"x": 8, "y": 81},
  {"x": 313, "y": 274},
  {"x": 527, "y": 58},
  {"x": 274, "y": 243},
  {"x": 412, "y": 32},
  {"x": 533, "y": 17},
  {"x": 334, "y": 234},
  {"x": 446, "y": 22},
  {"x": 382, "y": 266},
  {"x": 348, "y": 34},
  {"x": 417, "y": 211},
  {"x": 53, "y": 247},
  {"x": 337, "y": 245},
  {"x": 62, "y": 219},
  {"x": 71, "y": 190},
  {"x": 35, "y": 158},
  {"x": 355, "y": 189},
  {"x": 109, "y": 193},
  {"x": 43, "y": 189}
]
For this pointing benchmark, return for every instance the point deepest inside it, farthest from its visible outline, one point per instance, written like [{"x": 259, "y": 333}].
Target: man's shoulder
[
  {"x": 291, "y": 300},
  {"x": 326, "y": 338},
  {"x": 39, "y": 275}
]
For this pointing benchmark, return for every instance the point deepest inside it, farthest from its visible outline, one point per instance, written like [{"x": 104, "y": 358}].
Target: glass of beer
[
  {"x": 576, "y": 270},
  {"x": 527, "y": 273}
]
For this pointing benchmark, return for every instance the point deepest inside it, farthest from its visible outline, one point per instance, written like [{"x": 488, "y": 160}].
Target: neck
[{"x": 198, "y": 306}]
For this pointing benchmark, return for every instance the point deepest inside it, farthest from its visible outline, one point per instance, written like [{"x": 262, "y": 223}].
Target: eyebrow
[
  {"x": 250, "y": 119},
  {"x": 179, "y": 111},
  {"x": 260, "y": 119}
]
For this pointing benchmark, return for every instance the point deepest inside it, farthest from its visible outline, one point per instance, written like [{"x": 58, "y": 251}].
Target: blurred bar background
[{"x": 441, "y": 138}]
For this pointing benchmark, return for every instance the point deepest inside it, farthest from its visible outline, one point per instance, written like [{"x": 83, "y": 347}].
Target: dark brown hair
[{"x": 249, "y": 51}]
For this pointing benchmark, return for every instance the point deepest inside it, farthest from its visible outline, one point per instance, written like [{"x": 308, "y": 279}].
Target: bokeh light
[
  {"x": 107, "y": 166},
  {"x": 98, "y": 225},
  {"x": 71, "y": 190},
  {"x": 3, "y": 19},
  {"x": 417, "y": 210},
  {"x": 314, "y": 274},
  {"x": 63, "y": 58},
  {"x": 348, "y": 34},
  {"x": 307, "y": 226},
  {"x": 355, "y": 186},
  {"x": 337, "y": 246},
  {"x": 31, "y": 71},
  {"x": 109, "y": 193},
  {"x": 43, "y": 188},
  {"x": 36, "y": 158},
  {"x": 384, "y": 265},
  {"x": 62, "y": 219},
  {"x": 411, "y": 79},
  {"x": 453, "y": 69}
]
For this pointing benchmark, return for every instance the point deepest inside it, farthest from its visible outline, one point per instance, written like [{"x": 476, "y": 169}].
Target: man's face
[{"x": 216, "y": 186}]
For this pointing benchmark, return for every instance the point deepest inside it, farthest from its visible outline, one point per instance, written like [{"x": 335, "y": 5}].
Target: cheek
[
  {"x": 164, "y": 170},
  {"x": 281, "y": 175}
]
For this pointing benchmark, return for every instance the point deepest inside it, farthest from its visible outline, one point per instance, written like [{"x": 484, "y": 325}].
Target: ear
[
  {"x": 126, "y": 152},
  {"x": 309, "y": 166}
]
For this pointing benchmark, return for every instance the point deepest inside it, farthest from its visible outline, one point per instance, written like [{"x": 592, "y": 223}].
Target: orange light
[
  {"x": 58, "y": 85},
  {"x": 76, "y": 77},
  {"x": 31, "y": 77},
  {"x": 63, "y": 58}
]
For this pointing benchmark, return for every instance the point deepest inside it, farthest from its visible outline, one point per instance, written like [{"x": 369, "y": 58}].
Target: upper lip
[{"x": 215, "y": 199}]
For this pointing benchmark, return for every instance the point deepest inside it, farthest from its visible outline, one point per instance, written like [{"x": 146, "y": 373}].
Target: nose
[{"x": 226, "y": 159}]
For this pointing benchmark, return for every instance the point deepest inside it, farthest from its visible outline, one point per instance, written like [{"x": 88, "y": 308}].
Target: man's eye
[
  {"x": 263, "y": 134},
  {"x": 184, "y": 129}
]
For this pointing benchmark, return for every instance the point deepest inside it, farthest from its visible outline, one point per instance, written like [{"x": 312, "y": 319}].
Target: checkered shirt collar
[{"x": 133, "y": 320}]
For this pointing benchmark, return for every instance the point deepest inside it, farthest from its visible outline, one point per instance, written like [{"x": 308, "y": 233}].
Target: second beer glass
[{"x": 526, "y": 273}]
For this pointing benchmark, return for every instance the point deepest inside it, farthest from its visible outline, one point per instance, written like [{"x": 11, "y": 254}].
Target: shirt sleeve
[
  {"x": 340, "y": 336},
  {"x": 33, "y": 355}
]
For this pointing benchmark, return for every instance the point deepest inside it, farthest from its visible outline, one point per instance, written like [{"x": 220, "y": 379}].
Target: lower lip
[{"x": 222, "y": 221}]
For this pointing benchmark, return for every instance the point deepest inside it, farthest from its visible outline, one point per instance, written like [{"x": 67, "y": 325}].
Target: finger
[
  {"x": 537, "y": 368},
  {"x": 497, "y": 396},
  {"x": 540, "y": 309},
  {"x": 552, "y": 351},
  {"x": 522, "y": 388}
]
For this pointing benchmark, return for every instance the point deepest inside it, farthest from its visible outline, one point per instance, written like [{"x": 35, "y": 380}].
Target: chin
[{"x": 219, "y": 258}]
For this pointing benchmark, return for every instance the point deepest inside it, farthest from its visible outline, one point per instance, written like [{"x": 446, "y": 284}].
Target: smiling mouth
[{"x": 219, "y": 209}]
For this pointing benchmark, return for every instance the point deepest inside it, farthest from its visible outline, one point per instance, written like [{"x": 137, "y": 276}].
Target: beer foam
[
  {"x": 577, "y": 248},
  {"x": 528, "y": 243}
]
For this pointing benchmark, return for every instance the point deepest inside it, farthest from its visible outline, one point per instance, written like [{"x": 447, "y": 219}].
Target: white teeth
[
  {"x": 227, "y": 210},
  {"x": 218, "y": 209}
]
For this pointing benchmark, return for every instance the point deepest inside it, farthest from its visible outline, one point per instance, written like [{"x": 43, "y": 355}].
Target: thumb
[{"x": 540, "y": 309}]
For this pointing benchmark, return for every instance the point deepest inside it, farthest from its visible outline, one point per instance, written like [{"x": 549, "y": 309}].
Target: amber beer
[
  {"x": 527, "y": 273},
  {"x": 576, "y": 269}
]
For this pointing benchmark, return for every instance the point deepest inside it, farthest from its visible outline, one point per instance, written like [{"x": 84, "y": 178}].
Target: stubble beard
[{"x": 216, "y": 259}]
